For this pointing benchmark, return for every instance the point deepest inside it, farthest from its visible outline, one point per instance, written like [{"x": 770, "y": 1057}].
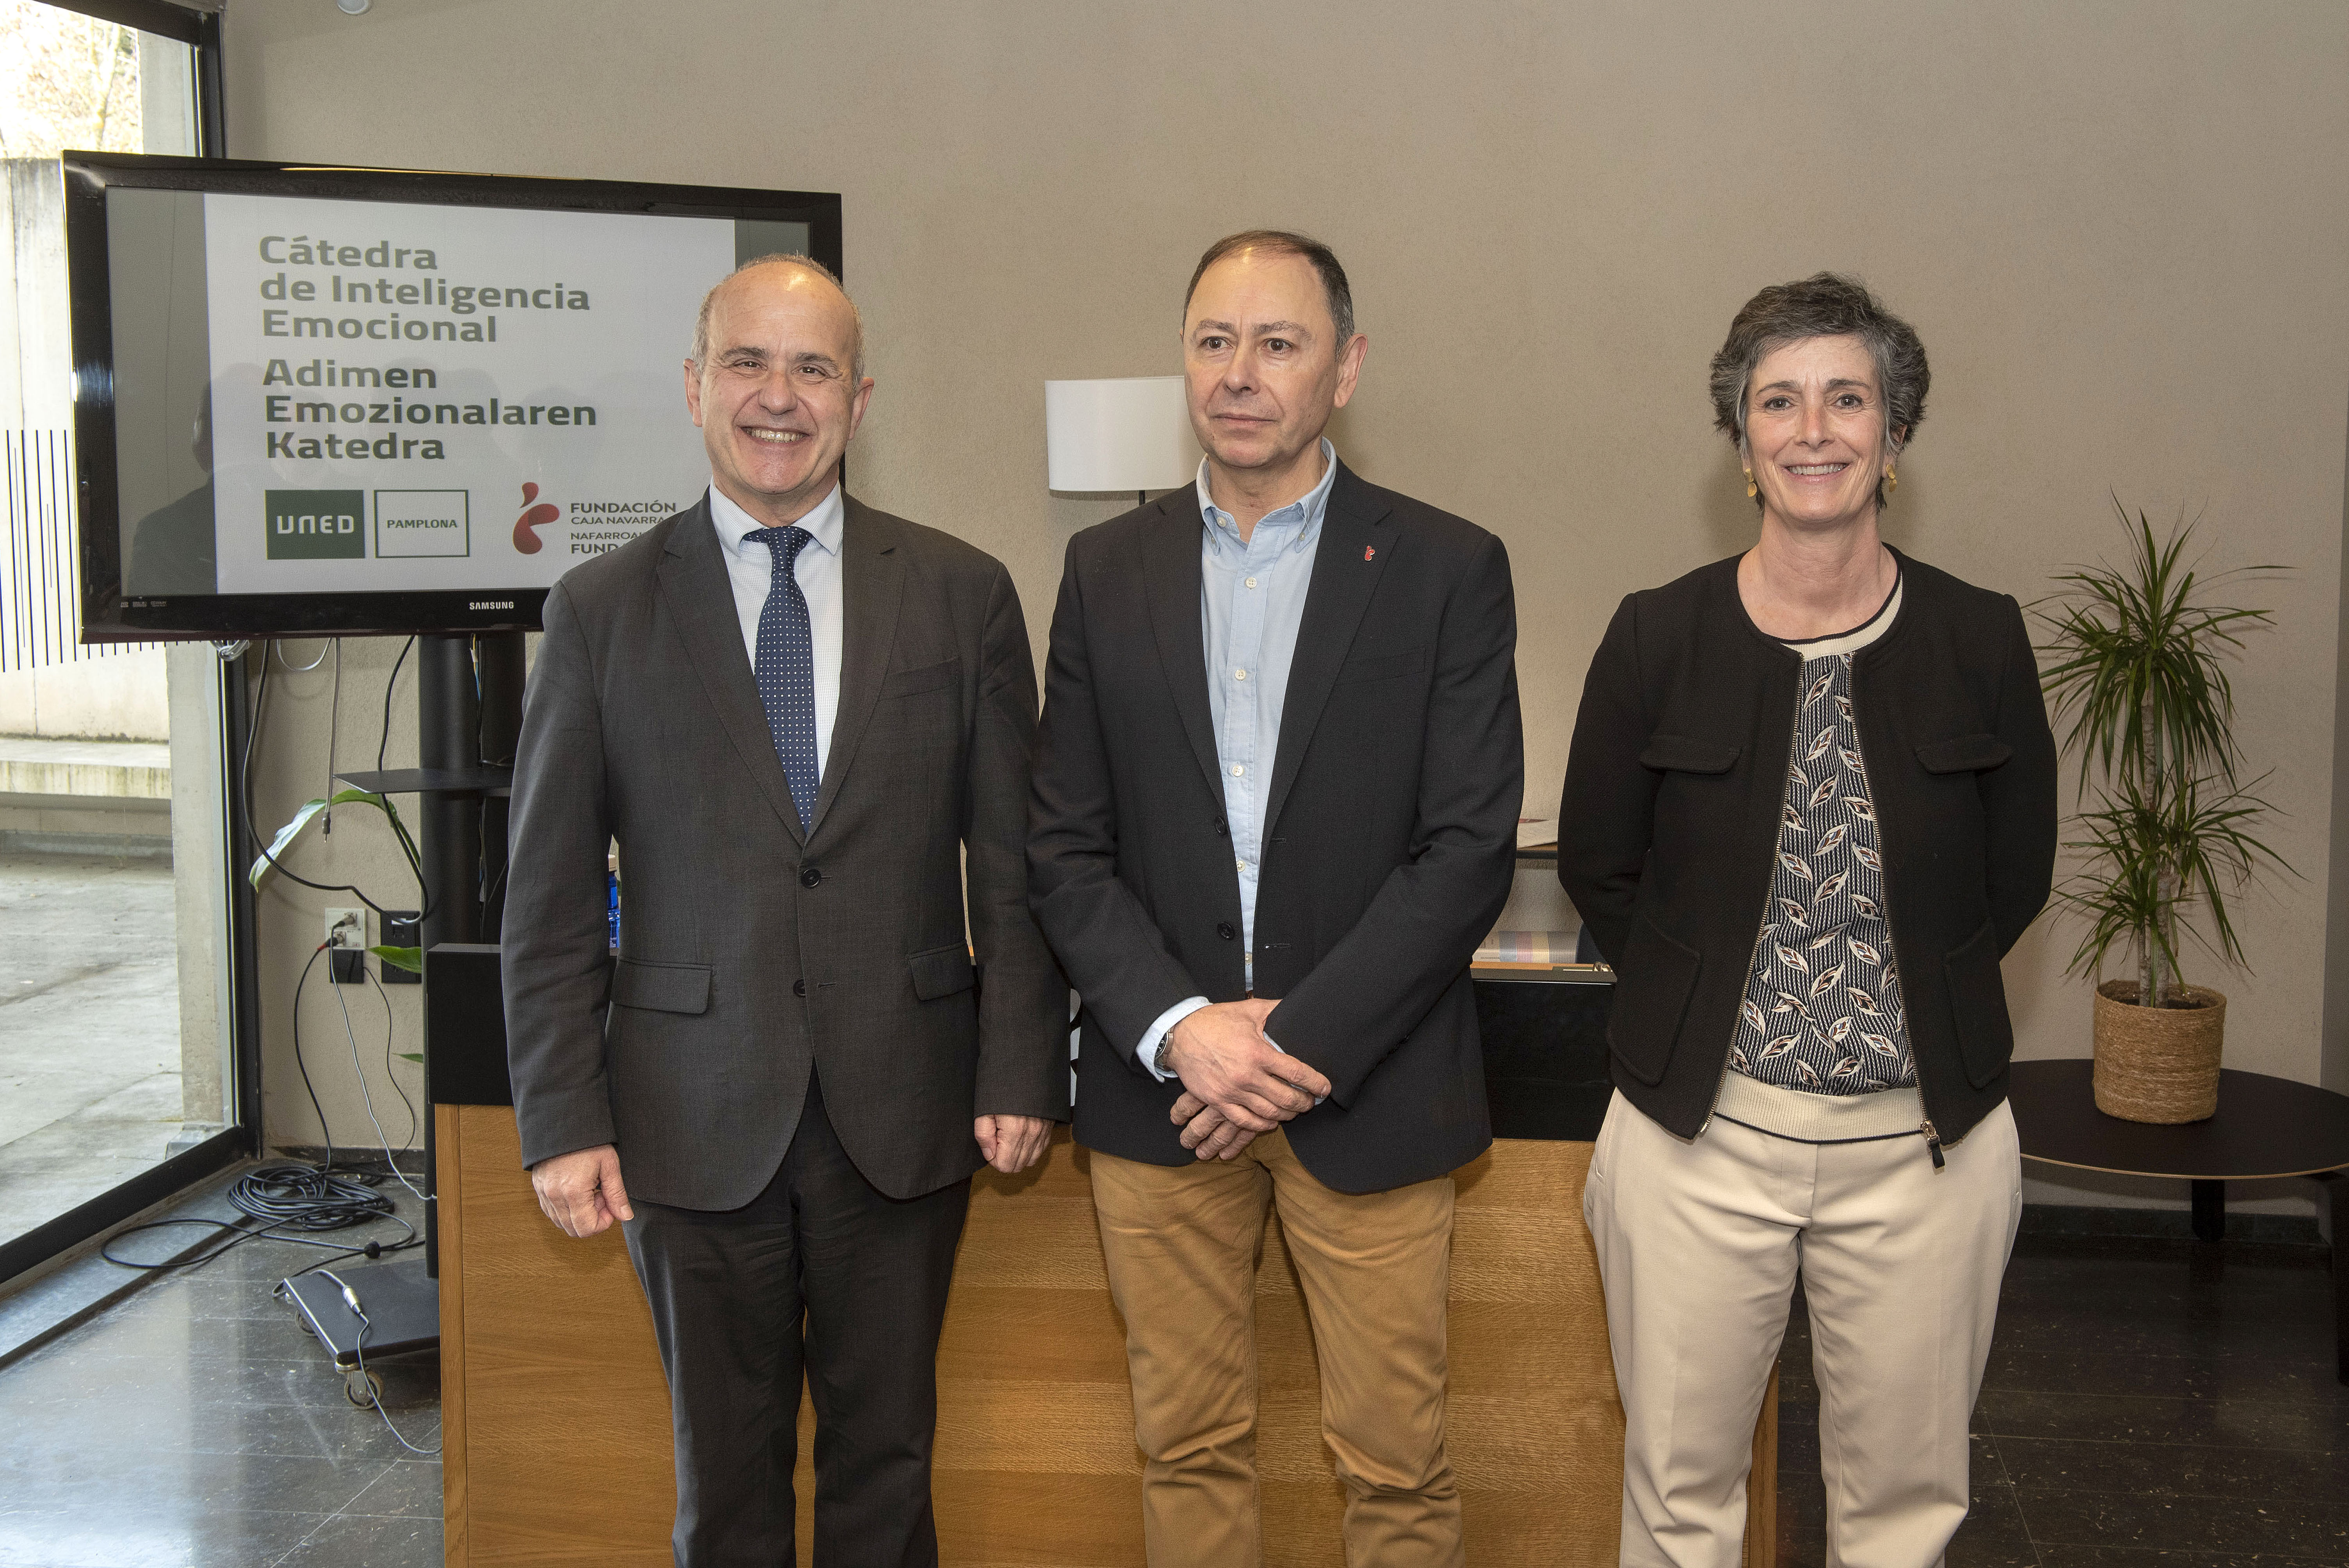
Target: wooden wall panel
[
  {"x": 564, "y": 1408},
  {"x": 448, "y": 1127},
  {"x": 558, "y": 1419}
]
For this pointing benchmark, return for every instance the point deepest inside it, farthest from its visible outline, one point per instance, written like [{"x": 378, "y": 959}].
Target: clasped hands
[{"x": 1236, "y": 1083}]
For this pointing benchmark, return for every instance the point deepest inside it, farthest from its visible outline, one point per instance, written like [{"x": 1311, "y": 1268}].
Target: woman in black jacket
[{"x": 1810, "y": 805}]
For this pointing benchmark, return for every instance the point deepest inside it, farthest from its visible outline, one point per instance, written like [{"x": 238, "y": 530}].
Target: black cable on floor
[
  {"x": 286, "y": 1197},
  {"x": 292, "y": 1195}
]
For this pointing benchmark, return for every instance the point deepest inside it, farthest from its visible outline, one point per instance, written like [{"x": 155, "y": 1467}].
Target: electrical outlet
[
  {"x": 347, "y": 946},
  {"x": 401, "y": 928}
]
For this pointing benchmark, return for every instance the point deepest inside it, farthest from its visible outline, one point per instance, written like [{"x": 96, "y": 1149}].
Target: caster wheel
[{"x": 362, "y": 1388}]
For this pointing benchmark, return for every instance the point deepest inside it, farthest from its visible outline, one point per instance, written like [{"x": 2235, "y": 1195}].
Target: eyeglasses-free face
[
  {"x": 1262, "y": 364},
  {"x": 777, "y": 397},
  {"x": 1814, "y": 437}
]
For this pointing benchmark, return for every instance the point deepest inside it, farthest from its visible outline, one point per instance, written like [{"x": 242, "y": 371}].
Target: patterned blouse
[{"x": 1822, "y": 1011}]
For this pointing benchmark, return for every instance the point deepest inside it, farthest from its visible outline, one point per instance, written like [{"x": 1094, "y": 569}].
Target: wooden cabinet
[{"x": 557, "y": 1418}]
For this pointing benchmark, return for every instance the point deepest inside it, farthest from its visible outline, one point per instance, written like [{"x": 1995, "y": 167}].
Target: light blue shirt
[
  {"x": 1251, "y": 603},
  {"x": 750, "y": 570}
]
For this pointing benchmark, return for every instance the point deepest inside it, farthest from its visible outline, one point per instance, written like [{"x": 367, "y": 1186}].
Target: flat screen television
[{"x": 317, "y": 401}]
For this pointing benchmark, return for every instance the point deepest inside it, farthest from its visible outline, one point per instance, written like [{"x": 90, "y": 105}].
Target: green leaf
[
  {"x": 408, "y": 958},
  {"x": 310, "y": 812},
  {"x": 2137, "y": 679},
  {"x": 285, "y": 835},
  {"x": 2137, "y": 663},
  {"x": 409, "y": 1056}
]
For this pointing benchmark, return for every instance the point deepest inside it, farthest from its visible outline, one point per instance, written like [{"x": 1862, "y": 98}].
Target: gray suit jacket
[{"x": 751, "y": 952}]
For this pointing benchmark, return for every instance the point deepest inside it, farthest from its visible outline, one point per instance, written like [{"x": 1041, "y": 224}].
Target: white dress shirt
[
  {"x": 1251, "y": 603},
  {"x": 750, "y": 568}
]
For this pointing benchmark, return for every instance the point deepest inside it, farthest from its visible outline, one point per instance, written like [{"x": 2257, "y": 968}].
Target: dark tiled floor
[
  {"x": 199, "y": 1423},
  {"x": 2148, "y": 1403}
]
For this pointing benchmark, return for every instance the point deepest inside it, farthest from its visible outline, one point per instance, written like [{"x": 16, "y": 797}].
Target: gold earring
[
  {"x": 1751, "y": 488},
  {"x": 1892, "y": 480}
]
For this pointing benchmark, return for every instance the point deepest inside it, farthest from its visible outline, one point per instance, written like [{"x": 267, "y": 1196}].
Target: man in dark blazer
[
  {"x": 1277, "y": 791},
  {"x": 807, "y": 724}
]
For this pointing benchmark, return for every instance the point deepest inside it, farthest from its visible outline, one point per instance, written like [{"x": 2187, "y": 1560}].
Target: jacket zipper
[{"x": 1925, "y": 1129}]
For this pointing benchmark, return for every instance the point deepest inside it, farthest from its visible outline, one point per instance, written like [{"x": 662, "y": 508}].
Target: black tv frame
[{"x": 106, "y": 616}]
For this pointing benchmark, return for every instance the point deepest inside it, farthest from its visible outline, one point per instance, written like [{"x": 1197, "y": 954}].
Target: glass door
[{"x": 119, "y": 1077}]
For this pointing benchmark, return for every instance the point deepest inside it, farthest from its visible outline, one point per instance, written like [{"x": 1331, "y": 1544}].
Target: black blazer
[
  {"x": 752, "y": 954},
  {"x": 1390, "y": 827},
  {"x": 1670, "y": 824}
]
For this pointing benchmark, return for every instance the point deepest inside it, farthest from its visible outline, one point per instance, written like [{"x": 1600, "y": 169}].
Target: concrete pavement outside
[{"x": 89, "y": 1028}]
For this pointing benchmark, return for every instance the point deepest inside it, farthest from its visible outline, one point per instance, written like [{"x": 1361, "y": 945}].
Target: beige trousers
[
  {"x": 1182, "y": 1244},
  {"x": 1699, "y": 1243}
]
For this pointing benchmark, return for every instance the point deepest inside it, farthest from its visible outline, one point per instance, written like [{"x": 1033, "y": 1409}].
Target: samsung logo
[{"x": 491, "y": 605}]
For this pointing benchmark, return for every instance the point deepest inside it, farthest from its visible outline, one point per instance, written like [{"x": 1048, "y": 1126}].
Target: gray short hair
[
  {"x": 1825, "y": 305},
  {"x": 783, "y": 259}
]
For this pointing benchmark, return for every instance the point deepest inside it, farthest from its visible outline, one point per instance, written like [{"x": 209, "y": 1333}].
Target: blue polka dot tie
[{"x": 786, "y": 667}]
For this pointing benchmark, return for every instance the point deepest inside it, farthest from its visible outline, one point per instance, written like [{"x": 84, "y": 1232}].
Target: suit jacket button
[
  {"x": 1222, "y": 828},
  {"x": 798, "y": 987},
  {"x": 810, "y": 876},
  {"x": 1224, "y": 929}
]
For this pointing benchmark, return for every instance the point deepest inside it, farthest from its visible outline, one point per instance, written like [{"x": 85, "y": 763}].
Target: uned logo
[
  {"x": 526, "y": 539},
  {"x": 316, "y": 525}
]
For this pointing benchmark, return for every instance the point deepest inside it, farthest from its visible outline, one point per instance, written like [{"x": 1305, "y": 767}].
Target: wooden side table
[{"x": 2264, "y": 1128}]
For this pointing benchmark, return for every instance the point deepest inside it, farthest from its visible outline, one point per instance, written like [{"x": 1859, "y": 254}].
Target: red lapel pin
[{"x": 1368, "y": 551}]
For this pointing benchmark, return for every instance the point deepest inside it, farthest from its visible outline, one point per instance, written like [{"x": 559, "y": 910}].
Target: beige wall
[
  {"x": 2113, "y": 225},
  {"x": 290, "y": 767}
]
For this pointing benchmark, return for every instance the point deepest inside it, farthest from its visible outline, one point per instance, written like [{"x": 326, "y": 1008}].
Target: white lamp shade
[{"x": 1132, "y": 434}]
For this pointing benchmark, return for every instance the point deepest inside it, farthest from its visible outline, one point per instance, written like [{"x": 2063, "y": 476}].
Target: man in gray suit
[{"x": 807, "y": 724}]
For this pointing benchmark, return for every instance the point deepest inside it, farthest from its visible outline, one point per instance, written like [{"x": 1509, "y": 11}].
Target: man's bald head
[{"x": 808, "y": 264}]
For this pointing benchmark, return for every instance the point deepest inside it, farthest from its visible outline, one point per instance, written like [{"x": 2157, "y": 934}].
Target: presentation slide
[{"x": 416, "y": 397}]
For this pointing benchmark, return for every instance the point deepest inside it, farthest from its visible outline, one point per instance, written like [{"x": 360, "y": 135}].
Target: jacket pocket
[
  {"x": 940, "y": 972},
  {"x": 930, "y": 677},
  {"x": 1964, "y": 754},
  {"x": 1686, "y": 754},
  {"x": 1386, "y": 666},
  {"x": 1653, "y": 987},
  {"x": 663, "y": 987},
  {"x": 1978, "y": 1006}
]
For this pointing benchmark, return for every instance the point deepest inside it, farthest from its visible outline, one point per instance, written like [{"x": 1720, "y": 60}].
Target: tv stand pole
[
  {"x": 501, "y": 663},
  {"x": 447, "y": 742},
  {"x": 468, "y": 717}
]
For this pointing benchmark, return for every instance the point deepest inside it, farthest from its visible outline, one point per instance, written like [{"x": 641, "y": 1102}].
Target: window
[{"x": 117, "y": 1034}]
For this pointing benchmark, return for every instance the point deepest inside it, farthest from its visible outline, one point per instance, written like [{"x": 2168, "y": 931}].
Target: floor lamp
[{"x": 1129, "y": 434}]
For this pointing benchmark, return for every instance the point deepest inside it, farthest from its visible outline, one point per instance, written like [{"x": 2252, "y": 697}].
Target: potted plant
[{"x": 2137, "y": 668}]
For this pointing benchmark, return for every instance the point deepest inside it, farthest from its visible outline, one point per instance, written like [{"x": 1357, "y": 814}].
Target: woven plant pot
[{"x": 2158, "y": 1064}]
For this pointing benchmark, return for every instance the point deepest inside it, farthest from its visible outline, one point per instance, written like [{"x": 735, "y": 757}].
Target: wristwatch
[{"x": 1158, "y": 1057}]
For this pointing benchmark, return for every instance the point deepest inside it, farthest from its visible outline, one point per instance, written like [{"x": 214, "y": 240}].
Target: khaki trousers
[
  {"x": 1699, "y": 1246},
  {"x": 1182, "y": 1244}
]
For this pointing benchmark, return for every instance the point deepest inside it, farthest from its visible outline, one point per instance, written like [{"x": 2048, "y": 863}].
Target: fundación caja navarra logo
[
  {"x": 533, "y": 518},
  {"x": 317, "y": 525}
]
